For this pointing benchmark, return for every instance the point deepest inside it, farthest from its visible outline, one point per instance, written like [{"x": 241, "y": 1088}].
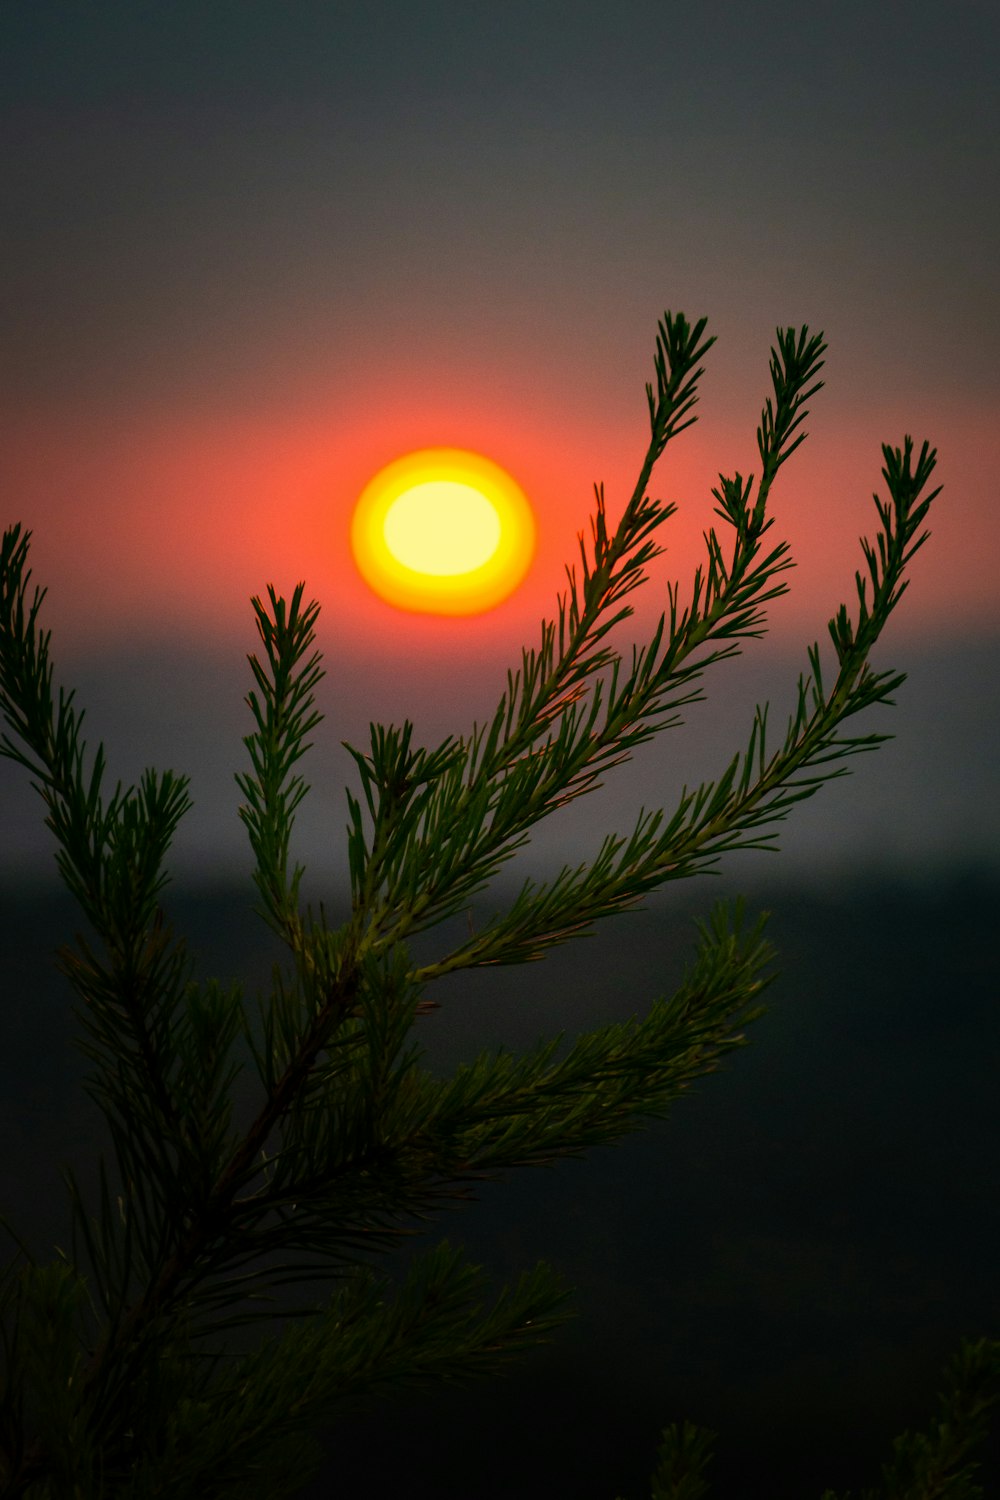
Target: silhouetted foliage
[{"x": 120, "y": 1378}]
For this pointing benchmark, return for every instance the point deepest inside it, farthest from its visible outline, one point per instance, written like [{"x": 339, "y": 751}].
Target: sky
[{"x": 252, "y": 252}]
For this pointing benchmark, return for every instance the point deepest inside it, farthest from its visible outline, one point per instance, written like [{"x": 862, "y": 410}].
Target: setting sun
[{"x": 443, "y": 531}]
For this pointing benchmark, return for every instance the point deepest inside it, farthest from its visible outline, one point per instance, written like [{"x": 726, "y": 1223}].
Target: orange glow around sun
[{"x": 443, "y": 531}]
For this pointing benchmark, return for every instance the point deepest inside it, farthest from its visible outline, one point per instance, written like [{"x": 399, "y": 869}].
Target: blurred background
[{"x": 252, "y": 253}]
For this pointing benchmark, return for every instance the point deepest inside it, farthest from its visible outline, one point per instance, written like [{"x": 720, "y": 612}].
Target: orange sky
[{"x": 148, "y": 524}]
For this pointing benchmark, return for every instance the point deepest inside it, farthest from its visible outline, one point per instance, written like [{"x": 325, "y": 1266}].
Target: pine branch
[
  {"x": 371, "y": 1337},
  {"x": 756, "y": 791},
  {"x": 329, "y": 973},
  {"x": 284, "y": 715},
  {"x": 374, "y": 1147},
  {"x": 513, "y": 1110},
  {"x": 110, "y": 857},
  {"x": 935, "y": 1464},
  {"x": 444, "y": 824},
  {"x": 685, "y": 1453},
  {"x": 353, "y": 1141}
]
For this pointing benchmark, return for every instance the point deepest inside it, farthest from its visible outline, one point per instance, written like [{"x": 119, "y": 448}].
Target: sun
[{"x": 443, "y": 531}]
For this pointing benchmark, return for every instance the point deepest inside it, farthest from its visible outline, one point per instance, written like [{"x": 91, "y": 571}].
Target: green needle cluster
[{"x": 119, "y": 1376}]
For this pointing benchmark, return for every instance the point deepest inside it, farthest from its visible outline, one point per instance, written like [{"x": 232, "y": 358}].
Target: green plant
[{"x": 119, "y": 1376}]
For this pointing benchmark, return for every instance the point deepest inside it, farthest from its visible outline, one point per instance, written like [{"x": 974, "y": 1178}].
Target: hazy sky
[{"x": 252, "y": 252}]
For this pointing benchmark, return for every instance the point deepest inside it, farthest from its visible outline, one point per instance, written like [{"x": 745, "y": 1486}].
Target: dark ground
[{"x": 791, "y": 1259}]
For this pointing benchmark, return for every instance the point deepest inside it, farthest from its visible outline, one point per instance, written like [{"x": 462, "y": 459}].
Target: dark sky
[{"x": 253, "y": 252}]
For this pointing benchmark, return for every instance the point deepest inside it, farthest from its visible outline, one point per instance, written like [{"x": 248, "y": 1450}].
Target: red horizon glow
[{"x": 167, "y": 526}]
